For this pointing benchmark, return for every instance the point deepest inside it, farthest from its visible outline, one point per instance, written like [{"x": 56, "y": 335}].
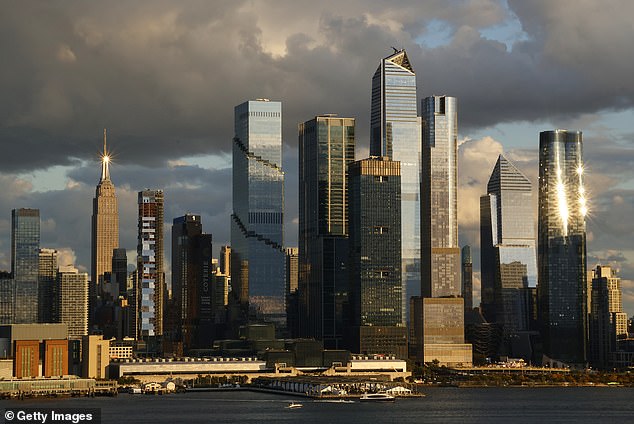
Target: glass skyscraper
[
  {"x": 561, "y": 248},
  {"x": 257, "y": 222},
  {"x": 508, "y": 253},
  {"x": 467, "y": 278},
  {"x": 47, "y": 278},
  {"x": 375, "y": 260},
  {"x": 150, "y": 290},
  {"x": 326, "y": 149},
  {"x": 439, "y": 230},
  {"x": 192, "y": 280},
  {"x": 395, "y": 132},
  {"x": 25, "y": 263}
]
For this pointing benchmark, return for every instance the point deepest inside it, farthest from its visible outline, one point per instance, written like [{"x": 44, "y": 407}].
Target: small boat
[
  {"x": 377, "y": 397},
  {"x": 294, "y": 405}
]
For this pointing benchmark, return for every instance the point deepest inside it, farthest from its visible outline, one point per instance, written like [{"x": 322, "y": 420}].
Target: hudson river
[{"x": 442, "y": 405}]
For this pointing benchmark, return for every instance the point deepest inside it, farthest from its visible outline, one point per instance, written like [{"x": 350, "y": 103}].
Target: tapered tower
[{"x": 105, "y": 227}]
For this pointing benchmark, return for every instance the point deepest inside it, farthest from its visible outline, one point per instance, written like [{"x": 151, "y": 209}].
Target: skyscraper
[
  {"x": 192, "y": 278},
  {"x": 46, "y": 280},
  {"x": 326, "y": 149},
  {"x": 607, "y": 321},
  {"x": 440, "y": 253},
  {"x": 561, "y": 248},
  {"x": 119, "y": 275},
  {"x": 150, "y": 282},
  {"x": 438, "y": 323},
  {"x": 375, "y": 261},
  {"x": 7, "y": 292},
  {"x": 508, "y": 256},
  {"x": 225, "y": 260},
  {"x": 25, "y": 263},
  {"x": 105, "y": 228},
  {"x": 395, "y": 132},
  {"x": 71, "y": 300},
  {"x": 257, "y": 236},
  {"x": 467, "y": 278},
  {"x": 292, "y": 284}
]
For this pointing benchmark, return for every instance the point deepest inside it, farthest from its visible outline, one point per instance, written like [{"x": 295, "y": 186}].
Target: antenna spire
[{"x": 105, "y": 160}]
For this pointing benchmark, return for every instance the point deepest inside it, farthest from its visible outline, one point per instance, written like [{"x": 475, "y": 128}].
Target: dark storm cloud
[{"x": 164, "y": 76}]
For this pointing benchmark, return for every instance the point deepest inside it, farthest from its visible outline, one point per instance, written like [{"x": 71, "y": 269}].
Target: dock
[{"x": 52, "y": 387}]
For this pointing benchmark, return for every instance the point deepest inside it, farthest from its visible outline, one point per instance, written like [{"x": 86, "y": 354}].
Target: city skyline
[{"x": 191, "y": 157}]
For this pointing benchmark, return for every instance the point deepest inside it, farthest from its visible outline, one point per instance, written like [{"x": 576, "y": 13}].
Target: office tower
[
  {"x": 467, "y": 278},
  {"x": 46, "y": 280},
  {"x": 119, "y": 275},
  {"x": 192, "y": 278},
  {"x": 375, "y": 259},
  {"x": 395, "y": 132},
  {"x": 105, "y": 228},
  {"x": 439, "y": 228},
  {"x": 7, "y": 291},
  {"x": 71, "y": 301},
  {"x": 441, "y": 289},
  {"x": 607, "y": 321},
  {"x": 257, "y": 237},
  {"x": 185, "y": 275},
  {"x": 326, "y": 149},
  {"x": 292, "y": 284},
  {"x": 508, "y": 255},
  {"x": 25, "y": 248},
  {"x": 220, "y": 295},
  {"x": 561, "y": 247},
  {"x": 131, "y": 306},
  {"x": 150, "y": 279}
]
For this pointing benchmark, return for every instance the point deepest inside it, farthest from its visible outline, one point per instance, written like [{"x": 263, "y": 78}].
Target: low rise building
[{"x": 95, "y": 357}]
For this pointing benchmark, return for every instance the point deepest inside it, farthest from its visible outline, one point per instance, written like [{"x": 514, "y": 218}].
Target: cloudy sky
[{"x": 164, "y": 76}]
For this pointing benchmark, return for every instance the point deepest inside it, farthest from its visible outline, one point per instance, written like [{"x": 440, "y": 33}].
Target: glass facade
[
  {"x": 151, "y": 278},
  {"x": 467, "y": 278},
  {"x": 561, "y": 249},
  {"x": 7, "y": 291},
  {"x": 257, "y": 236},
  {"x": 375, "y": 235},
  {"x": 25, "y": 263},
  {"x": 46, "y": 280},
  {"x": 508, "y": 251},
  {"x": 395, "y": 132},
  {"x": 192, "y": 279},
  {"x": 440, "y": 257},
  {"x": 326, "y": 149}
]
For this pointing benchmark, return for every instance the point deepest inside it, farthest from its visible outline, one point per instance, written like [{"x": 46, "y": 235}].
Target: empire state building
[{"x": 105, "y": 228}]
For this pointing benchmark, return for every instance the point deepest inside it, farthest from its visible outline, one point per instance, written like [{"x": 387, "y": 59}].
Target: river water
[{"x": 441, "y": 405}]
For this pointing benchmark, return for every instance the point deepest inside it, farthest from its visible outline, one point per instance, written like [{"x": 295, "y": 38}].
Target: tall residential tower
[
  {"x": 561, "y": 247},
  {"x": 25, "y": 263},
  {"x": 149, "y": 293},
  {"x": 440, "y": 252},
  {"x": 437, "y": 326}
]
